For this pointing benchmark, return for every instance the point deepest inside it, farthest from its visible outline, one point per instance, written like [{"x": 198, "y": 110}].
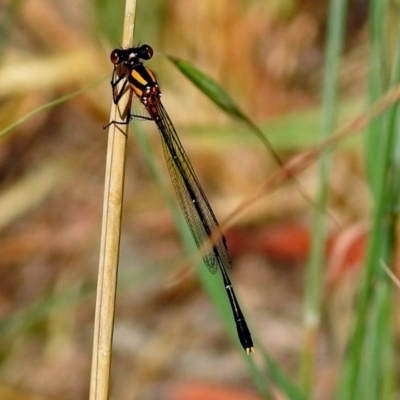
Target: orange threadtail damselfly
[{"x": 134, "y": 76}]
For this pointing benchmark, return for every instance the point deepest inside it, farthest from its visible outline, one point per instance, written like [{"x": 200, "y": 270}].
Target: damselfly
[{"x": 133, "y": 76}]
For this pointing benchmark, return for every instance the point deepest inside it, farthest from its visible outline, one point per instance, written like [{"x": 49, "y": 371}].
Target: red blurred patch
[
  {"x": 199, "y": 391},
  {"x": 289, "y": 243},
  {"x": 345, "y": 252},
  {"x": 285, "y": 242}
]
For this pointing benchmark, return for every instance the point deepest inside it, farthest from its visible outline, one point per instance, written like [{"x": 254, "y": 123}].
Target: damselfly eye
[
  {"x": 145, "y": 52},
  {"x": 114, "y": 56}
]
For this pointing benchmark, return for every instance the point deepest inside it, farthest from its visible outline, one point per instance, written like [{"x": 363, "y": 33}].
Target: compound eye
[
  {"x": 115, "y": 56},
  {"x": 145, "y": 52}
]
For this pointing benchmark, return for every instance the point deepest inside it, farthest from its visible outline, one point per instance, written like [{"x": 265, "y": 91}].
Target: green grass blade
[
  {"x": 368, "y": 372},
  {"x": 47, "y": 106},
  {"x": 222, "y": 99},
  {"x": 209, "y": 87},
  {"x": 315, "y": 268}
]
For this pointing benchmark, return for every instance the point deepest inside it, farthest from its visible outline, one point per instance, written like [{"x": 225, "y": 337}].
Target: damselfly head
[{"x": 131, "y": 56}]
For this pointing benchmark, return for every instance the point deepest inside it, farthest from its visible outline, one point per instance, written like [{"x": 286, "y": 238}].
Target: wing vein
[{"x": 193, "y": 201}]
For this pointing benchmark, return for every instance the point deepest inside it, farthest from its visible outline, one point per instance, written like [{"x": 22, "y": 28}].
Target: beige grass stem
[{"x": 110, "y": 235}]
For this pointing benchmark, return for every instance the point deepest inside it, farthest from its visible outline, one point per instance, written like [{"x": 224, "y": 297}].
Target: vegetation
[{"x": 308, "y": 202}]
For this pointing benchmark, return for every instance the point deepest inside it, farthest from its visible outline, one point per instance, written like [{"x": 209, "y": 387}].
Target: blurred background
[{"x": 169, "y": 341}]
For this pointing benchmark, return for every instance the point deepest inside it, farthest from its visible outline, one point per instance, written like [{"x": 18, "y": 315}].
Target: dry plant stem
[{"x": 110, "y": 236}]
